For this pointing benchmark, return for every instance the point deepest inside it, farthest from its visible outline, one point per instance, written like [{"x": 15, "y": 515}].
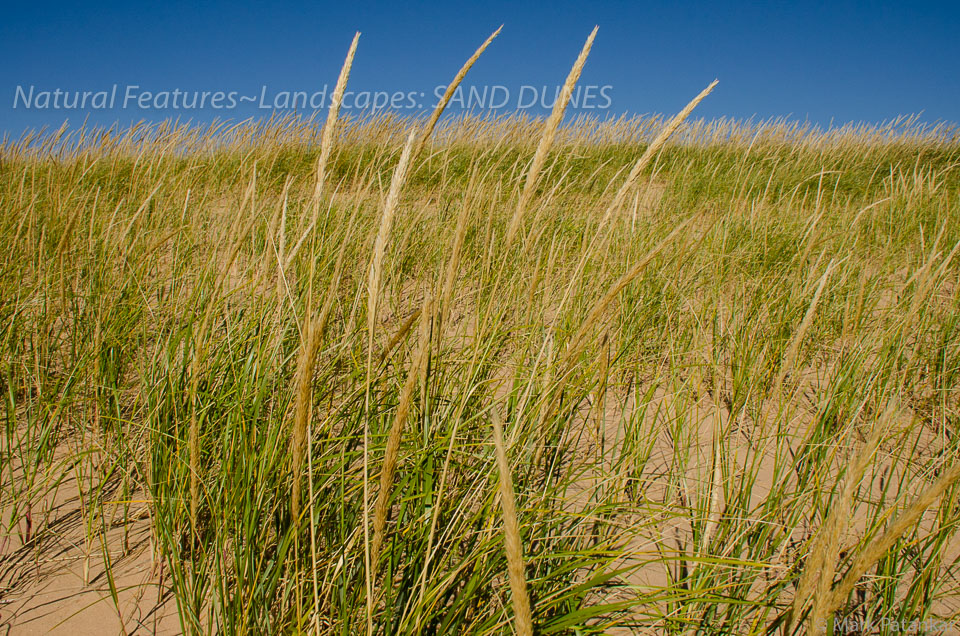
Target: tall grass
[{"x": 727, "y": 353}]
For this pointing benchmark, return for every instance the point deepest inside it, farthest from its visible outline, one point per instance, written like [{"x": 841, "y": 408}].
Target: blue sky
[{"x": 823, "y": 62}]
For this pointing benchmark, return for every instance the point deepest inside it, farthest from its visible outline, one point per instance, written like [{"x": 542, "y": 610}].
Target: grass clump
[{"x": 726, "y": 352}]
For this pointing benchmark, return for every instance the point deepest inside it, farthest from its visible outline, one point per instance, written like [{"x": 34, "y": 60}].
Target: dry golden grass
[
  {"x": 311, "y": 332},
  {"x": 546, "y": 140},
  {"x": 512, "y": 540}
]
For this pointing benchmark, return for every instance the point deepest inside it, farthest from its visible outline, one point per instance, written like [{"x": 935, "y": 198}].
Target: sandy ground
[{"x": 42, "y": 588}]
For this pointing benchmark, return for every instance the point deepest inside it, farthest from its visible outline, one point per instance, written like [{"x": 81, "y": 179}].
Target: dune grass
[{"x": 397, "y": 384}]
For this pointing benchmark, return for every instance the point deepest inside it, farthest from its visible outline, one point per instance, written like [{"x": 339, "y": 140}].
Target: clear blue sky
[{"x": 830, "y": 61}]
